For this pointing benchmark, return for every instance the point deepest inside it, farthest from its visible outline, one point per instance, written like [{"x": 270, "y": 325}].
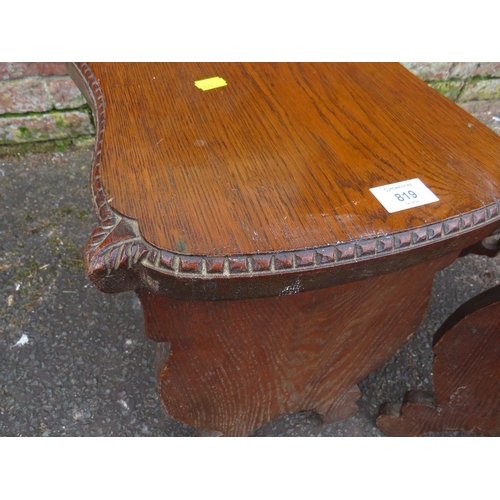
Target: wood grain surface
[
  {"x": 277, "y": 165},
  {"x": 231, "y": 366},
  {"x": 283, "y": 157},
  {"x": 466, "y": 376}
]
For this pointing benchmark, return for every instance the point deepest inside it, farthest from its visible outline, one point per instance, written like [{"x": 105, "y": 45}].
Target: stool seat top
[
  {"x": 283, "y": 157},
  {"x": 239, "y": 159}
]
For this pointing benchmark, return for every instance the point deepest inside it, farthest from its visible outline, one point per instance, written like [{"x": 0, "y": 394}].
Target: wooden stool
[{"x": 239, "y": 202}]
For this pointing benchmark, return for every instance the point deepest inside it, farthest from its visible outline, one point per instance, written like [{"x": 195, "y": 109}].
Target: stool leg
[
  {"x": 466, "y": 377},
  {"x": 233, "y": 365}
]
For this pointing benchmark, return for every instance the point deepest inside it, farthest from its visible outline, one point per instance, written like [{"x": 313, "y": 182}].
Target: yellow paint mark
[{"x": 210, "y": 83}]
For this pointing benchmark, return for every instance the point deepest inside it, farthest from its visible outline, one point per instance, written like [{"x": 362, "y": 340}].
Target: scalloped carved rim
[{"x": 117, "y": 242}]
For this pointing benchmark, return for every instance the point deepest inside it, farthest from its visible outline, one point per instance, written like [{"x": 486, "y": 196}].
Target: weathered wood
[
  {"x": 466, "y": 377},
  {"x": 231, "y": 366}
]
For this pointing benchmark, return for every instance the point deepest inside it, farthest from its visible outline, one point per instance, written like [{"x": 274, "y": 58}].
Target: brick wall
[
  {"x": 39, "y": 104},
  {"x": 475, "y": 86}
]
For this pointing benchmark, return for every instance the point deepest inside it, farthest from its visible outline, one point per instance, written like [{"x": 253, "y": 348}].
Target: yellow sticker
[{"x": 210, "y": 83}]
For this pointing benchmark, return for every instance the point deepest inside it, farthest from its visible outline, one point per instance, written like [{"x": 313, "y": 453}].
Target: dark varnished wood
[
  {"x": 231, "y": 366},
  {"x": 466, "y": 377}
]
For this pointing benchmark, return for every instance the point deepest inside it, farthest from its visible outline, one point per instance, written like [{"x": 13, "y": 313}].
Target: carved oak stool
[{"x": 280, "y": 223}]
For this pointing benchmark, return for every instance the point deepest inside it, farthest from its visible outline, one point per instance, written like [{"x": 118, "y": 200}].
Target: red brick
[
  {"x": 14, "y": 130},
  {"x": 471, "y": 69},
  {"x": 64, "y": 93},
  {"x": 429, "y": 71},
  {"x": 449, "y": 88},
  {"x": 463, "y": 69},
  {"x": 482, "y": 90},
  {"x": 14, "y": 70},
  {"x": 488, "y": 69},
  {"x": 486, "y": 111},
  {"x": 24, "y": 96}
]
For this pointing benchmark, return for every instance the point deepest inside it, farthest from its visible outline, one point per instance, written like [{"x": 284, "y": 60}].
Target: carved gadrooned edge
[
  {"x": 117, "y": 246},
  {"x": 122, "y": 245}
]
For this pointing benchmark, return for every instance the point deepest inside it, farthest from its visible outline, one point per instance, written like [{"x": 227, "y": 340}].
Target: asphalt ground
[{"x": 76, "y": 362}]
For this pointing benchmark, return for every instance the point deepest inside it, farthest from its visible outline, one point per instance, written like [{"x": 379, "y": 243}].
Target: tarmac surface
[{"x": 76, "y": 362}]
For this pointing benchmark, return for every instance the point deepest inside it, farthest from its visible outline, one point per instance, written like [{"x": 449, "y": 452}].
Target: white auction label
[{"x": 403, "y": 195}]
